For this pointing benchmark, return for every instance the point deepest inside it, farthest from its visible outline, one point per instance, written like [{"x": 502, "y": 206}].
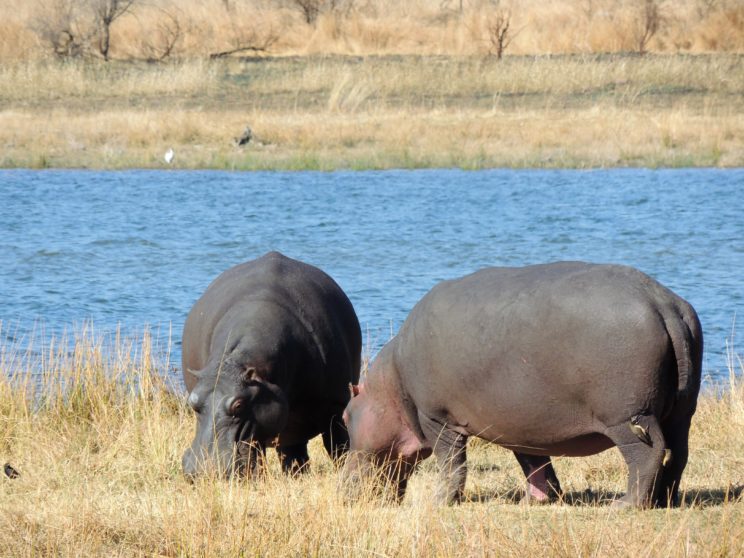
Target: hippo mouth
[{"x": 244, "y": 437}]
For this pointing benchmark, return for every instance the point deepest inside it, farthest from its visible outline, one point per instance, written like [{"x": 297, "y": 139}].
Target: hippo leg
[
  {"x": 450, "y": 451},
  {"x": 254, "y": 458},
  {"x": 643, "y": 457},
  {"x": 542, "y": 482},
  {"x": 675, "y": 460},
  {"x": 294, "y": 458},
  {"x": 336, "y": 437}
]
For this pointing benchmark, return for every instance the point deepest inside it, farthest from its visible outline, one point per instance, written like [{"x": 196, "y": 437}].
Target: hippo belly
[{"x": 533, "y": 363}]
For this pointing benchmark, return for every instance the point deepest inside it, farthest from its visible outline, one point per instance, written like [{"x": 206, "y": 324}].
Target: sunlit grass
[
  {"x": 422, "y": 27},
  {"x": 398, "y": 112},
  {"x": 97, "y": 435}
]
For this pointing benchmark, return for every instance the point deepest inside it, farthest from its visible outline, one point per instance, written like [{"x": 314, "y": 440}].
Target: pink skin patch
[{"x": 537, "y": 484}]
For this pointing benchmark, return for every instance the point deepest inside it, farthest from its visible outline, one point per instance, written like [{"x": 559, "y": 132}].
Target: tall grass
[
  {"x": 97, "y": 436},
  {"x": 61, "y": 80},
  {"x": 379, "y": 112},
  {"x": 380, "y": 27}
]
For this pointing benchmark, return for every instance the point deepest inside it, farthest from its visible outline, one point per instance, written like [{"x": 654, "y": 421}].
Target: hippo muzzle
[{"x": 234, "y": 423}]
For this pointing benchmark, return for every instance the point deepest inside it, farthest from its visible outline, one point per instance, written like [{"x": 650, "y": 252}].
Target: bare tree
[
  {"x": 311, "y": 9},
  {"x": 63, "y": 26},
  {"x": 246, "y": 36},
  {"x": 105, "y": 13},
  {"x": 248, "y": 42},
  {"x": 497, "y": 27},
  {"x": 169, "y": 31},
  {"x": 649, "y": 23}
]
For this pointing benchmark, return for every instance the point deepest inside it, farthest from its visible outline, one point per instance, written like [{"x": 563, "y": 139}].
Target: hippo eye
[
  {"x": 250, "y": 372},
  {"x": 235, "y": 405}
]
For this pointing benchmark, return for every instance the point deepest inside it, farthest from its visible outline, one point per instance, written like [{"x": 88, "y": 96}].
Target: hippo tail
[{"x": 686, "y": 335}]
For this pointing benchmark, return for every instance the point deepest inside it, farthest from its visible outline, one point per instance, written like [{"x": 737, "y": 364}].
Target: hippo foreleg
[
  {"x": 294, "y": 458},
  {"x": 542, "y": 482},
  {"x": 450, "y": 451},
  {"x": 253, "y": 459},
  {"x": 644, "y": 459}
]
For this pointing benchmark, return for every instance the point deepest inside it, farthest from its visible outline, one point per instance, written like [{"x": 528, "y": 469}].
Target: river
[{"x": 137, "y": 248}]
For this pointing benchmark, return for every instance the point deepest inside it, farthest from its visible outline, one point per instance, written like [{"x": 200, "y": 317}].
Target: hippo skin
[
  {"x": 565, "y": 359},
  {"x": 268, "y": 354}
]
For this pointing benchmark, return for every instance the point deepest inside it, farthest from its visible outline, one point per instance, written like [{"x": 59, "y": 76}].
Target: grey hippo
[
  {"x": 561, "y": 359},
  {"x": 269, "y": 351}
]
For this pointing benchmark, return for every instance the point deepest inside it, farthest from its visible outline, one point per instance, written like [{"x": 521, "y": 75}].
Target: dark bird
[
  {"x": 11, "y": 472},
  {"x": 245, "y": 137}
]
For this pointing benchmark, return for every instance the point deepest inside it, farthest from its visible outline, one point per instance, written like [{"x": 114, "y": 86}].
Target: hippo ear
[{"x": 354, "y": 390}]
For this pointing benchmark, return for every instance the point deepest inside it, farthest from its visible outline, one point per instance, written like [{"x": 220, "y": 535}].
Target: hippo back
[
  {"x": 275, "y": 281},
  {"x": 507, "y": 347}
]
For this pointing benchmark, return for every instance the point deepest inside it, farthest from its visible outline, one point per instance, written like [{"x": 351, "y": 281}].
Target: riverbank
[
  {"x": 378, "y": 112},
  {"x": 100, "y": 475}
]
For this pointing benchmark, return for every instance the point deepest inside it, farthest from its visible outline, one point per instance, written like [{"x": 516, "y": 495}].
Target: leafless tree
[
  {"x": 246, "y": 36},
  {"x": 105, "y": 13},
  {"x": 648, "y": 25},
  {"x": 63, "y": 26},
  {"x": 169, "y": 31},
  {"x": 311, "y": 9},
  {"x": 498, "y": 29}
]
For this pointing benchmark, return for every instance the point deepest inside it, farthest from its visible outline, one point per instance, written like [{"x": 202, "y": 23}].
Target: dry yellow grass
[
  {"x": 100, "y": 466},
  {"x": 413, "y": 87},
  {"x": 378, "y": 26},
  {"x": 377, "y": 112}
]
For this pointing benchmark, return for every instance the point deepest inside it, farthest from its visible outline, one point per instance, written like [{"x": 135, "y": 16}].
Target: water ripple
[{"x": 125, "y": 249}]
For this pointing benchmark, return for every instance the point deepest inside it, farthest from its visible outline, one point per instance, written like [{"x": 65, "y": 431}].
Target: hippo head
[
  {"x": 383, "y": 450},
  {"x": 236, "y": 408}
]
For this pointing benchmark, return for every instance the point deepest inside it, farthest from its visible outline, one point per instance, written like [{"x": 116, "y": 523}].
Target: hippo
[
  {"x": 559, "y": 359},
  {"x": 269, "y": 351}
]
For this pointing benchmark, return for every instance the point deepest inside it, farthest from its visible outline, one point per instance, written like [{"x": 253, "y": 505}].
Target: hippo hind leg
[
  {"x": 674, "y": 462},
  {"x": 450, "y": 451},
  {"x": 336, "y": 437},
  {"x": 641, "y": 443},
  {"x": 294, "y": 458},
  {"x": 542, "y": 482}
]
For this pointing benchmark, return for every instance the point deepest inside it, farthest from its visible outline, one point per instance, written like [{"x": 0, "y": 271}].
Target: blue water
[{"x": 130, "y": 249}]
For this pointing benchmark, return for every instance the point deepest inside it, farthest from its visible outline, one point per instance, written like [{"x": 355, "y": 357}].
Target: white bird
[{"x": 169, "y": 156}]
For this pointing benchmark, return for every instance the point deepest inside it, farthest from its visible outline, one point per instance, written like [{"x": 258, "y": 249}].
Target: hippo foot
[
  {"x": 529, "y": 499},
  {"x": 621, "y": 503},
  {"x": 630, "y": 502},
  {"x": 294, "y": 459}
]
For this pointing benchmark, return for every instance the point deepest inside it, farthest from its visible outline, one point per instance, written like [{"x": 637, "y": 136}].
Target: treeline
[{"x": 160, "y": 29}]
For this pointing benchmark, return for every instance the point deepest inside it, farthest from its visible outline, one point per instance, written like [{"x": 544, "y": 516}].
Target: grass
[
  {"x": 374, "y": 85},
  {"x": 98, "y": 439},
  {"x": 377, "y": 112},
  {"x": 373, "y": 27}
]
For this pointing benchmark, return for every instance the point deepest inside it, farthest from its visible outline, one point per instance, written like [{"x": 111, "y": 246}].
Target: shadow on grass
[
  {"x": 702, "y": 498},
  {"x": 710, "y": 497}
]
